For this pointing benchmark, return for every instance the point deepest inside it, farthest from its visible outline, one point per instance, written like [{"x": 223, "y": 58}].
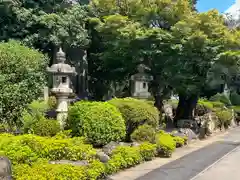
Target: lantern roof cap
[
  {"x": 60, "y": 56},
  {"x": 61, "y": 68}
]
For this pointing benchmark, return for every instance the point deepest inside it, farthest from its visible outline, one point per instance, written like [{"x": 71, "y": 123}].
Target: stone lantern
[
  {"x": 140, "y": 83},
  {"x": 61, "y": 73}
]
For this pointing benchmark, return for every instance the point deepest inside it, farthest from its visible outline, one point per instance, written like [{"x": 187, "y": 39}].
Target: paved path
[
  {"x": 190, "y": 165},
  {"x": 226, "y": 168}
]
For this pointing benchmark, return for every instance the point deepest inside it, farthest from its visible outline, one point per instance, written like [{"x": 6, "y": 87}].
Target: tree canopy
[{"x": 184, "y": 49}]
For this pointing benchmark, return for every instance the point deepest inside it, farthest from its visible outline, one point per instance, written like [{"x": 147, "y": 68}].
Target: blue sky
[{"x": 220, "y": 5}]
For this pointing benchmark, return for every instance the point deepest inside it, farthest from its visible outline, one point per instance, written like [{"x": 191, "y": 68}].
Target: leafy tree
[
  {"x": 180, "y": 52},
  {"x": 201, "y": 37},
  {"x": 44, "y": 24},
  {"x": 22, "y": 77},
  {"x": 128, "y": 29}
]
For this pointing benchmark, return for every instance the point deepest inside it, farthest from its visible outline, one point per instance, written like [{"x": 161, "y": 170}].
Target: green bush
[
  {"x": 65, "y": 134},
  {"x": 236, "y": 109},
  {"x": 144, "y": 133},
  {"x": 99, "y": 122},
  {"x": 235, "y": 98},
  {"x": 136, "y": 112},
  {"x": 42, "y": 171},
  {"x": 179, "y": 141},
  {"x": 148, "y": 151},
  {"x": 18, "y": 153},
  {"x": 217, "y": 104},
  {"x": 224, "y": 117},
  {"x": 165, "y": 144},
  {"x": 206, "y": 103},
  {"x": 221, "y": 98},
  {"x": 46, "y": 127},
  {"x": 34, "y": 121},
  {"x": 27, "y": 148},
  {"x": 203, "y": 107},
  {"x": 22, "y": 77},
  {"x": 7, "y": 128},
  {"x": 32, "y": 114},
  {"x": 123, "y": 157}
]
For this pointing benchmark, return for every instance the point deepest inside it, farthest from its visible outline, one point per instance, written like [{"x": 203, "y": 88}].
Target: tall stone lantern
[
  {"x": 61, "y": 73},
  {"x": 140, "y": 83}
]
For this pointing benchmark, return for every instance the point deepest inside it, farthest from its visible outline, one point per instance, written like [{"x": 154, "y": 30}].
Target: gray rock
[
  {"x": 135, "y": 144},
  {"x": 124, "y": 144},
  {"x": 179, "y": 134},
  {"x": 104, "y": 158},
  {"x": 188, "y": 132},
  {"x": 5, "y": 169},
  {"x": 74, "y": 163},
  {"x": 107, "y": 149}
]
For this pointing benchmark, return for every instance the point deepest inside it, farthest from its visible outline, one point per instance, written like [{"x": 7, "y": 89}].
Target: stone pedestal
[{"x": 62, "y": 109}]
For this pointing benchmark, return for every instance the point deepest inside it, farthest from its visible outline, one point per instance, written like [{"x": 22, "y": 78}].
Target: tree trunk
[
  {"x": 158, "y": 102},
  {"x": 186, "y": 106}
]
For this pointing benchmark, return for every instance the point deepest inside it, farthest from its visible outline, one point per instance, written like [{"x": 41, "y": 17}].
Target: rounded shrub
[
  {"x": 224, "y": 117},
  {"x": 235, "y": 98},
  {"x": 22, "y": 77},
  {"x": 144, "y": 133},
  {"x": 165, "y": 144},
  {"x": 99, "y": 122},
  {"x": 46, "y": 127},
  {"x": 136, "y": 112}
]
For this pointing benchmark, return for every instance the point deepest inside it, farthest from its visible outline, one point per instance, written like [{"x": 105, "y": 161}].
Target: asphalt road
[
  {"x": 226, "y": 168},
  {"x": 192, "y": 164}
]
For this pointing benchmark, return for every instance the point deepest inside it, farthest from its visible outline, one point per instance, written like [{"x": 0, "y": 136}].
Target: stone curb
[{"x": 146, "y": 167}]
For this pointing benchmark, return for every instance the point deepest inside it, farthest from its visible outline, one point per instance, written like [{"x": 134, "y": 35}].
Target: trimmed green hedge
[
  {"x": 124, "y": 156},
  {"x": 26, "y": 149},
  {"x": 136, "y": 112},
  {"x": 46, "y": 127},
  {"x": 99, "y": 122},
  {"x": 43, "y": 171},
  {"x": 30, "y": 155}
]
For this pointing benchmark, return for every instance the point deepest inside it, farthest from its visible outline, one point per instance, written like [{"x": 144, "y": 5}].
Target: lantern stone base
[
  {"x": 62, "y": 117},
  {"x": 62, "y": 110}
]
